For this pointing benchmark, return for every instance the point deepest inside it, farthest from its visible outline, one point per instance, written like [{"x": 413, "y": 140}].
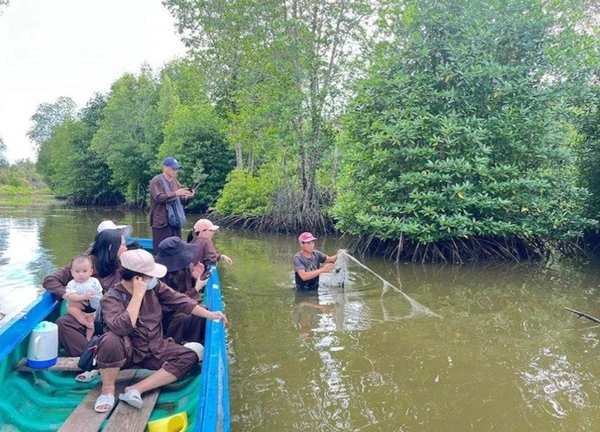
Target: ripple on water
[{"x": 553, "y": 384}]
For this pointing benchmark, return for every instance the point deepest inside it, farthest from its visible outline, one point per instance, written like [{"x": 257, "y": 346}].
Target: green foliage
[
  {"x": 193, "y": 136},
  {"x": 452, "y": 135},
  {"x": 70, "y": 167},
  {"x": 21, "y": 178},
  {"x": 245, "y": 195},
  {"x": 277, "y": 71},
  {"x": 130, "y": 134},
  {"x": 48, "y": 117}
]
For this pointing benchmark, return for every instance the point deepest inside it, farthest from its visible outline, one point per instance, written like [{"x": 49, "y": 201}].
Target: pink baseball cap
[
  {"x": 306, "y": 237},
  {"x": 205, "y": 224}
]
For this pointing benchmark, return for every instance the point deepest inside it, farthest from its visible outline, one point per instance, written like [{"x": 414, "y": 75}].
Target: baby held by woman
[{"x": 84, "y": 290}]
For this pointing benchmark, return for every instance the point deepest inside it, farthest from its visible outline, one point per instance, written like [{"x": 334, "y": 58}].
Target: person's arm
[
  {"x": 133, "y": 308},
  {"x": 161, "y": 196},
  {"x": 226, "y": 259},
  {"x": 174, "y": 300},
  {"x": 308, "y": 275},
  {"x": 204, "y": 313},
  {"x": 209, "y": 254},
  {"x": 333, "y": 258},
  {"x": 74, "y": 297},
  {"x": 57, "y": 282},
  {"x": 121, "y": 320}
]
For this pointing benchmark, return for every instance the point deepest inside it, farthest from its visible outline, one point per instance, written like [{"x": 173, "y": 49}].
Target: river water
[{"x": 504, "y": 355}]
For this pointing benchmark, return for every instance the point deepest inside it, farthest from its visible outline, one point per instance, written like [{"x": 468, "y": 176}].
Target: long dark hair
[
  {"x": 177, "y": 279},
  {"x": 105, "y": 248}
]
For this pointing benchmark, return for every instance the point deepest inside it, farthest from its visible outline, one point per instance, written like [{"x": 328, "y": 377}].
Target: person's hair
[
  {"x": 105, "y": 248},
  {"x": 191, "y": 236},
  {"x": 82, "y": 258},
  {"x": 133, "y": 245},
  {"x": 177, "y": 279},
  {"x": 127, "y": 274}
]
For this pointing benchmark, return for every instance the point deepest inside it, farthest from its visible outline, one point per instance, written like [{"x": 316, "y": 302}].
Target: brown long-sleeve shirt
[
  {"x": 207, "y": 254},
  {"x": 158, "y": 199},
  {"x": 57, "y": 282},
  {"x": 147, "y": 335}
]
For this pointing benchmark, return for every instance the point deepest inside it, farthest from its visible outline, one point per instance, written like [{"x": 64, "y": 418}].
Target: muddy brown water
[{"x": 505, "y": 356}]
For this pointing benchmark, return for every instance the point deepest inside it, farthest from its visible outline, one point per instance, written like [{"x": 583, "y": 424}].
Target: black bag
[
  {"x": 87, "y": 360},
  {"x": 175, "y": 213}
]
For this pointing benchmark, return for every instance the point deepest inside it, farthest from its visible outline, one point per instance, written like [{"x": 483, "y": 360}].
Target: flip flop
[
  {"x": 105, "y": 399},
  {"x": 88, "y": 376},
  {"x": 133, "y": 398}
]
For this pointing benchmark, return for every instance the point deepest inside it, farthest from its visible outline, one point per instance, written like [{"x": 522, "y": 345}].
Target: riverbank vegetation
[{"x": 427, "y": 130}]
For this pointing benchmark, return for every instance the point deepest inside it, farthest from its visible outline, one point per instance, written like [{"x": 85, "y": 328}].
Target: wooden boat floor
[{"x": 123, "y": 417}]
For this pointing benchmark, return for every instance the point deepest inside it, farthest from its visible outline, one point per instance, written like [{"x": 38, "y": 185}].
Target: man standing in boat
[
  {"x": 166, "y": 210},
  {"x": 307, "y": 263}
]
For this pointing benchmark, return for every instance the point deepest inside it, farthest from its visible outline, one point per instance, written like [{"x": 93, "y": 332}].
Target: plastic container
[
  {"x": 43, "y": 346},
  {"x": 175, "y": 423}
]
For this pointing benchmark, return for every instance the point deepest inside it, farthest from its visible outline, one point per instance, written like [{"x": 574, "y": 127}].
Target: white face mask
[{"x": 151, "y": 283}]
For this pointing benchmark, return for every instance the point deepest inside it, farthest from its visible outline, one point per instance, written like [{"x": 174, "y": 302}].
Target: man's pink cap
[
  {"x": 205, "y": 224},
  {"x": 306, "y": 237}
]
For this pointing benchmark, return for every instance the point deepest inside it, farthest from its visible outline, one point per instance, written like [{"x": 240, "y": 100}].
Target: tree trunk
[{"x": 239, "y": 161}]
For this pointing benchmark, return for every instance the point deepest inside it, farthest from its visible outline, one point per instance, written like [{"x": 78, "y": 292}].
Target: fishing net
[{"x": 340, "y": 278}]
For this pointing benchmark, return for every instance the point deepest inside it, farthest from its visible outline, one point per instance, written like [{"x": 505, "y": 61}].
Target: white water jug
[{"x": 43, "y": 346}]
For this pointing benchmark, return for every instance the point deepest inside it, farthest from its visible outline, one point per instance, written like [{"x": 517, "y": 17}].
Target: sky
[{"x": 53, "y": 48}]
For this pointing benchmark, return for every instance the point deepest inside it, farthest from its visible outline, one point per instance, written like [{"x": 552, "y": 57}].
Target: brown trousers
[
  {"x": 116, "y": 351},
  {"x": 71, "y": 335},
  {"x": 159, "y": 234},
  {"x": 184, "y": 328}
]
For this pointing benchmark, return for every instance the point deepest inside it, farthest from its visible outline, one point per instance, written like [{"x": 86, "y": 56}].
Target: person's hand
[
  {"x": 76, "y": 304},
  {"x": 139, "y": 286},
  {"x": 226, "y": 259},
  {"x": 218, "y": 315},
  {"x": 197, "y": 270},
  {"x": 192, "y": 193},
  {"x": 182, "y": 192},
  {"x": 328, "y": 267},
  {"x": 200, "y": 284},
  {"x": 90, "y": 294}
]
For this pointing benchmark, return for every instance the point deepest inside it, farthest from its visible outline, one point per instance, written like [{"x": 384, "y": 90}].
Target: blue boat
[{"x": 43, "y": 400}]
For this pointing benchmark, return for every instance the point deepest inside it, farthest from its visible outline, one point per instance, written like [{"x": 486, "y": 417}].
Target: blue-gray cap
[{"x": 171, "y": 162}]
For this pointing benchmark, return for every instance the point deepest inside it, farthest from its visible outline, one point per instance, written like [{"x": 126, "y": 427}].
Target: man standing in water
[
  {"x": 165, "y": 191},
  {"x": 307, "y": 263}
]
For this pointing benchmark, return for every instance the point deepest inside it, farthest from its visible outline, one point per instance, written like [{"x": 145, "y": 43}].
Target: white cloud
[{"x": 73, "y": 48}]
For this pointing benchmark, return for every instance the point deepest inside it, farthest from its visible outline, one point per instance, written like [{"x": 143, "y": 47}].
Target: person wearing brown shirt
[
  {"x": 105, "y": 252},
  {"x": 202, "y": 235},
  {"x": 133, "y": 315},
  {"x": 183, "y": 275},
  {"x": 160, "y": 196}
]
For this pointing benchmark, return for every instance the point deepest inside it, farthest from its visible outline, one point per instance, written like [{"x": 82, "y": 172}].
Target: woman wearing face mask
[
  {"x": 133, "y": 315},
  {"x": 183, "y": 275}
]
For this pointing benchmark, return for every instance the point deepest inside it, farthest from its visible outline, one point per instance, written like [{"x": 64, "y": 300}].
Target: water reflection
[
  {"x": 23, "y": 263},
  {"x": 506, "y": 355}
]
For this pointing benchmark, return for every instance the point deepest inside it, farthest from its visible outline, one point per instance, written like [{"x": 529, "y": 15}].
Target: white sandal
[
  {"x": 87, "y": 376},
  {"x": 104, "y": 399}
]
